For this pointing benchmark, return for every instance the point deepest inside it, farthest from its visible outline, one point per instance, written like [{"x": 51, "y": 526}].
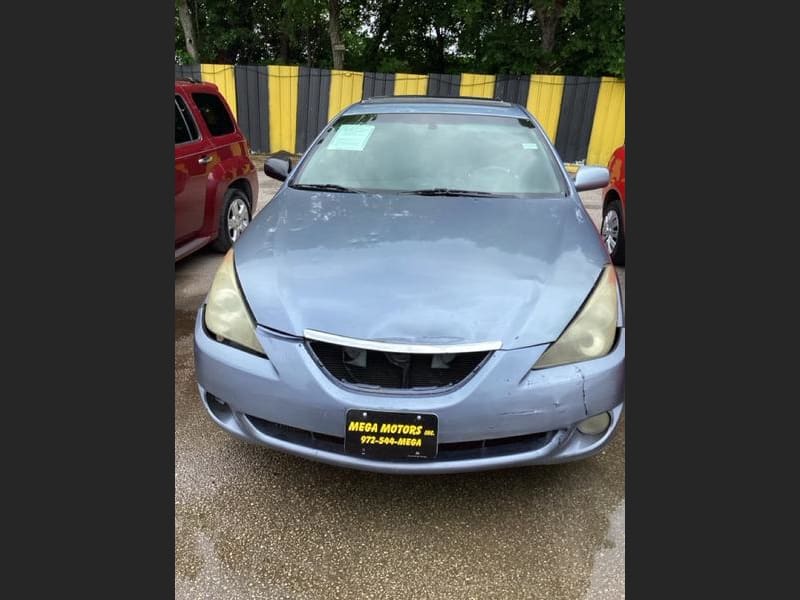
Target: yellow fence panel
[
  {"x": 223, "y": 77},
  {"x": 346, "y": 88},
  {"x": 544, "y": 101},
  {"x": 406, "y": 84},
  {"x": 282, "y": 83},
  {"x": 608, "y": 127},
  {"x": 477, "y": 85}
]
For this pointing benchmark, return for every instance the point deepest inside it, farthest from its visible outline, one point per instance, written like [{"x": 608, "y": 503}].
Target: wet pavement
[{"x": 254, "y": 523}]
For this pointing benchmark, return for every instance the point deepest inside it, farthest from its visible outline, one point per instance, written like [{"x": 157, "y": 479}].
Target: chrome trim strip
[{"x": 400, "y": 348}]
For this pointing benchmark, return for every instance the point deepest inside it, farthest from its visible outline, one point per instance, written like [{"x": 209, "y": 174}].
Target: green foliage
[
  {"x": 445, "y": 36},
  {"x": 592, "y": 39}
]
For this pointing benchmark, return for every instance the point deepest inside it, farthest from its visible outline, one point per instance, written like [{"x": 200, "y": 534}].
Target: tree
[
  {"x": 381, "y": 14},
  {"x": 337, "y": 47},
  {"x": 592, "y": 38},
  {"x": 188, "y": 30},
  {"x": 548, "y": 13},
  {"x": 574, "y": 37}
]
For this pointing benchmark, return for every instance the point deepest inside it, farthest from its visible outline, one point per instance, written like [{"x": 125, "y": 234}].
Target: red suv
[
  {"x": 613, "y": 228},
  {"x": 216, "y": 186}
]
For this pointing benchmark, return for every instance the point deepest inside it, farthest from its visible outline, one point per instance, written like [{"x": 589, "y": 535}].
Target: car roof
[
  {"x": 436, "y": 104},
  {"x": 193, "y": 83}
]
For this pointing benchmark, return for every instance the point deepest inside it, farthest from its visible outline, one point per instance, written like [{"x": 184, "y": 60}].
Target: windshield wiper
[
  {"x": 324, "y": 187},
  {"x": 450, "y": 192}
]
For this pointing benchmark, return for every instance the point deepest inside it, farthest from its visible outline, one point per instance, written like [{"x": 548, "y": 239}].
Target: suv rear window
[
  {"x": 214, "y": 113},
  {"x": 185, "y": 129}
]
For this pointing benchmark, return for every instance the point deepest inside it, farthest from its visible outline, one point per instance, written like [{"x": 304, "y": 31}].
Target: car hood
[{"x": 419, "y": 269}]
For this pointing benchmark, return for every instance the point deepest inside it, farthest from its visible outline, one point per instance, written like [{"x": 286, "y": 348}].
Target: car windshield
[{"x": 436, "y": 154}]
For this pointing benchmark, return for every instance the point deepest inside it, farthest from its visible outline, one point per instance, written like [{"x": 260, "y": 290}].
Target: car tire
[
  {"x": 233, "y": 220},
  {"x": 613, "y": 231}
]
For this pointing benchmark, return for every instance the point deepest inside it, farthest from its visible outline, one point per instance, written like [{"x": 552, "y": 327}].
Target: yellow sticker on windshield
[{"x": 351, "y": 137}]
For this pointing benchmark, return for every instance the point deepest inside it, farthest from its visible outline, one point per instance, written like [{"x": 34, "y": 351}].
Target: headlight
[
  {"x": 591, "y": 334},
  {"x": 226, "y": 314}
]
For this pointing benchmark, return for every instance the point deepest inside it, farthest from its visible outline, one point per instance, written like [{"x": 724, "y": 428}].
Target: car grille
[
  {"x": 396, "y": 371},
  {"x": 452, "y": 451}
]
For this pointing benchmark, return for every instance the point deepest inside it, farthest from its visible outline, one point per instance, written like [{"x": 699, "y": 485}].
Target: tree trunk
[
  {"x": 386, "y": 13},
  {"x": 441, "y": 61},
  {"x": 549, "y": 14},
  {"x": 283, "y": 47},
  {"x": 337, "y": 47},
  {"x": 188, "y": 29},
  {"x": 307, "y": 45},
  {"x": 196, "y": 16}
]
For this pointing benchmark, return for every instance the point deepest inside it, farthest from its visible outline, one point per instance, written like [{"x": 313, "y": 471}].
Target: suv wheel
[
  {"x": 234, "y": 219},
  {"x": 613, "y": 232}
]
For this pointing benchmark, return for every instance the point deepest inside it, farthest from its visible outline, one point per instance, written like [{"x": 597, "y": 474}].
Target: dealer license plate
[{"x": 377, "y": 434}]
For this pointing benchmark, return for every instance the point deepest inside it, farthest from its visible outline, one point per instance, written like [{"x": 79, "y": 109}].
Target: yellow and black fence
[{"x": 284, "y": 107}]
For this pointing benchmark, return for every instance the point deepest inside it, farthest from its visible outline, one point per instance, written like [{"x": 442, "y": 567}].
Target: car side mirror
[
  {"x": 591, "y": 178},
  {"x": 277, "y": 168}
]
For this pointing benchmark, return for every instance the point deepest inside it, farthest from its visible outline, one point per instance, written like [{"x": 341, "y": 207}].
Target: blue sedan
[{"x": 424, "y": 294}]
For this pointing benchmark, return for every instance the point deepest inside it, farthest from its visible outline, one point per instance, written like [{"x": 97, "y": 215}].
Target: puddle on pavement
[{"x": 309, "y": 528}]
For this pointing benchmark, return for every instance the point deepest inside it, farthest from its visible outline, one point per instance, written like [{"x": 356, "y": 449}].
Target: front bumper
[{"x": 505, "y": 415}]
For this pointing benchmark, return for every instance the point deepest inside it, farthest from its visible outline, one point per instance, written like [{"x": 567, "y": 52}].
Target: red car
[
  {"x": 216, "y": 186},
  {"x": 613, "y": 228}
]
